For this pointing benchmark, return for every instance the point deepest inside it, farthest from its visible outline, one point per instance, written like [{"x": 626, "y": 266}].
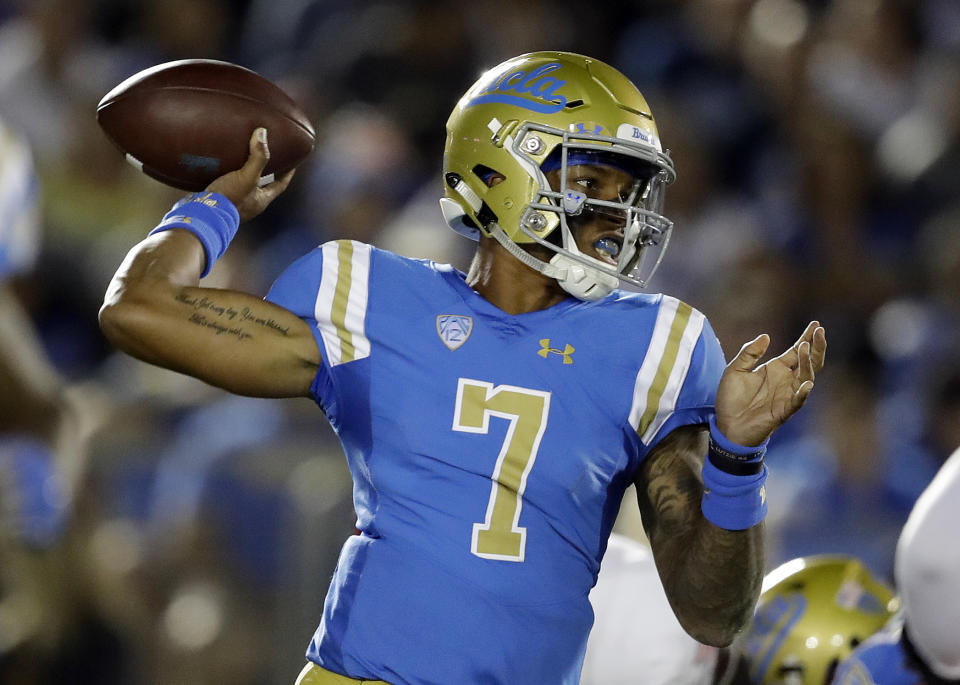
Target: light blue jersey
[
  {"x": 489, "y": 454},
  {"x": 883, "y": 659}
]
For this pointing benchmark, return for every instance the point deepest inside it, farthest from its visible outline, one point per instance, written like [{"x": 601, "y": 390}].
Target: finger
[
  {"x": 271, "y": 190},
  {"x": 790, "y": 357},
  {"x": 801, "y": 395},
  {"x": 750, "y": 353},
  {"x": 818, "y": 348},
  {"x": 805, "y": 370},
  {"x": 259, "y": 155},
  {"x": 284, "y": 181}
]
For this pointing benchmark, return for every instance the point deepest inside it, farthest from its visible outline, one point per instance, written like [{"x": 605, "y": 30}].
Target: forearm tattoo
[
  {"x": 712, "y": 576},
  {"x": 226, "y": 320}
]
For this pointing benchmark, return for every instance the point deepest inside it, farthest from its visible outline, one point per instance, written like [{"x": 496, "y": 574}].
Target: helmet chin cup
[{"x": 582, "y": 281}]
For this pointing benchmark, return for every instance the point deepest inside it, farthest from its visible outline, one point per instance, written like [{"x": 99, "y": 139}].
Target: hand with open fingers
[
  {"x": 243, "y": 187},
  {"x": 753, "y": 401}
]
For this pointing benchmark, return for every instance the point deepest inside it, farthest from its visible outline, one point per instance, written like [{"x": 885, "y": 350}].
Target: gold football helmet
[
  {"x": 548, "y": 111},
  {"x": 812, "y": 613}
]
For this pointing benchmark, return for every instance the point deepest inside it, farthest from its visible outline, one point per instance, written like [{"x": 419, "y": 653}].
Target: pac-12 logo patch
[{"x": 454, "y": 329}]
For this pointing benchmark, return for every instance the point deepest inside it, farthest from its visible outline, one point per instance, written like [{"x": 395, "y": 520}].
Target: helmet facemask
[{"x": 644, "y": 231}]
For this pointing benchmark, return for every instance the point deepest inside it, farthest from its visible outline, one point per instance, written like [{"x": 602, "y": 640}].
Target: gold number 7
[{"x": 500, "y": 536}]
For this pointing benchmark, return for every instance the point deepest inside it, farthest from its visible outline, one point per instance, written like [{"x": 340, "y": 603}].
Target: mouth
[{"x": 607, "y": 247}]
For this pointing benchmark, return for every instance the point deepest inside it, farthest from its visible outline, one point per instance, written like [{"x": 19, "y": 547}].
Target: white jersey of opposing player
[
  {"x": 928, "y": 572},
  {"x": 636, "y": 638}
]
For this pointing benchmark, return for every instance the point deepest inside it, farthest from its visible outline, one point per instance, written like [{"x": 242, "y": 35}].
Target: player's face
[{"x": 598, "y": 231}]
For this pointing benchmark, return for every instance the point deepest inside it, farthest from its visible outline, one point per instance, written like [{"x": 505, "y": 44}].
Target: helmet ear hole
[{"x": 490, "y": 177}]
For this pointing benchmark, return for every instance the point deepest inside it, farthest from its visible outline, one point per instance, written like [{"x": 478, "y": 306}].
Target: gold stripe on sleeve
[
  {"x": 338, "y": 314},
  {"x": 669, "y": 358}
]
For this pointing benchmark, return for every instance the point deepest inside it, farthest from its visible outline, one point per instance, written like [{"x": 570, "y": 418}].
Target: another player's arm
[
  {"x": 711, "y": 576},
  {"x": 155, "y": 310}
]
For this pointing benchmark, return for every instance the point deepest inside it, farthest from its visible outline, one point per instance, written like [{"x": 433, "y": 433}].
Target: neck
[{"x": 509, "y": 284}]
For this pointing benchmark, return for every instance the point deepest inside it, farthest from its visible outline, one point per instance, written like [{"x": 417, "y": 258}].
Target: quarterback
[{"x": 492, "y": 420}]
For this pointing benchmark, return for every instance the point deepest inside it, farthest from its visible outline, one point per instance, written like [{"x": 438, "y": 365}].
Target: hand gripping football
[{"x": 185, "y": 123}]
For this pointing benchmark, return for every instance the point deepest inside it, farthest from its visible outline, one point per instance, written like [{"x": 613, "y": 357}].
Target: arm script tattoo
[
  {"x": 225, "y": 320},
  {"x": 712, "y": 576}
]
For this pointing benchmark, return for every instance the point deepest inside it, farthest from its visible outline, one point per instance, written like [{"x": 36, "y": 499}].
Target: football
[{"x": 187, "y": 122}]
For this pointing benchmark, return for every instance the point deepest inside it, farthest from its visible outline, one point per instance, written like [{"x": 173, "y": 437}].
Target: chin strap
[
  {"x": 547, "y": 269},
  {"x": 578, "y": 279}
]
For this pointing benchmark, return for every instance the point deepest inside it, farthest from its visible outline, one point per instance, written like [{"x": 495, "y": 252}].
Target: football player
[
  {"x": 812, "y": 613},
  {"x": 492, "y": 420},
  {"x": 922, "y": 644}
]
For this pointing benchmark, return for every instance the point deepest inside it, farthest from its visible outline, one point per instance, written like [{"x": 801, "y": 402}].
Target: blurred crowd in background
[{"x": 162, "y": 531}]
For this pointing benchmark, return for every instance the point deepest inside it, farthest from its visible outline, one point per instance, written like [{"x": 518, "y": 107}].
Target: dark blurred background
[{"x": 167, "y": 532}]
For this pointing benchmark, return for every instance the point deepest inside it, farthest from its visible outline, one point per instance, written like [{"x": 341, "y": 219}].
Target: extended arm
[
  {"x": 711, "y": 576},
  {"x": 155, "y": 310}
]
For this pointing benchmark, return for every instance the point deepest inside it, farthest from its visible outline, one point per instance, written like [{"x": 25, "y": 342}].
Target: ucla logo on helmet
[
  {"x": 771, "y": 625},
  {"x": 536, "y": 90}
]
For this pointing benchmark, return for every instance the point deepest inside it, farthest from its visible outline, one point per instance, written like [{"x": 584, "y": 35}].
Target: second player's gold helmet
[
  {"x": 812, "y": 613},
  {"x": 550, "y": 110}
]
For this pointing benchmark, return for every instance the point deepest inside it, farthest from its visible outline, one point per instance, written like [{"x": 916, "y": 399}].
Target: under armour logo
[
  {"x": 596, "y": 128},
  {"x": 546, "y": 350}
]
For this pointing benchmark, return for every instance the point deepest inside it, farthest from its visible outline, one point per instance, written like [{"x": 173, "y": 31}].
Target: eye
[{"x": 584, "y": 182}]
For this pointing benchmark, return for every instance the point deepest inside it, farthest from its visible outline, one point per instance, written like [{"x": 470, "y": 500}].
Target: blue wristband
[
  {"x": 732, "y": 458},
  {"x": 209, "y": 216},
  {"x": 733, "y": 502},
  {"x": 733, "y": 482}
]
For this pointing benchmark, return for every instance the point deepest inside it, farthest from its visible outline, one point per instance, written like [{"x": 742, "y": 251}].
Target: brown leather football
[{"x": 187, "y": 122}]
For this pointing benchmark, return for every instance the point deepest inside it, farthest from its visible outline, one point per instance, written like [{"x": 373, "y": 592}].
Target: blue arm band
[
  {"x": 209, "y": 216},
  {"x": 733, "y": 482},
  {"x": 733, "y": 502}
]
